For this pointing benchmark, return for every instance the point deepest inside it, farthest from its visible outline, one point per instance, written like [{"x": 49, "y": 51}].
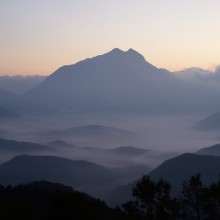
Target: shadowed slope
[{"x": 174, "y": 171}]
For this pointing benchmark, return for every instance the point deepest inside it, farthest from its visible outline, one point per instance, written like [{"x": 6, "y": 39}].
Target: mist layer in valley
[{"x": 98, "y": 139}]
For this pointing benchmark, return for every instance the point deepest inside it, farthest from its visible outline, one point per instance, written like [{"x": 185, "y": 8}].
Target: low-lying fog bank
[{"x": 97, "y": 139}]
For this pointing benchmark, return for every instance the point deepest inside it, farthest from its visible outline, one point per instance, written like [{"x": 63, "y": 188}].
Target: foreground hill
[
  {"x": 118, "y": 82},
  {"x": 85, "y": 176},
  {"x": 50, "y": 201},
  {"x": 177, "y": 169},
  {"x": 174, "y": 171},
  {"x": 82, "y": 175}
]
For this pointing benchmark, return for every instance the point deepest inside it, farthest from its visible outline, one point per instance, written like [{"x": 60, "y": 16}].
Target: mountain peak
[
  {"x": 129, "y": 56},
  {"x": 117, "y": 50},
  {"x": 132, "y": 51}
]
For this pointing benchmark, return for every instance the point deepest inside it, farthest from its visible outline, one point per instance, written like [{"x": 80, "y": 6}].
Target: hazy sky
[{"x": 38, "y": 36}]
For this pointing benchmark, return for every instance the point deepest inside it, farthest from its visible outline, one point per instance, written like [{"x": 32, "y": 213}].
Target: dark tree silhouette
[
  {"x": 214, "y": 201},
  {"x": 199, "y": 202},
  {"x": 190, "y": 198},
  {"x": 152, "y": 202}
]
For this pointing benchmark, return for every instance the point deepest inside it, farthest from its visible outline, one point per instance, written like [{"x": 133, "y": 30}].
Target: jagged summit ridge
[
  {"x": 130, "y": 52},
  {"x": 114, "y": 57}
]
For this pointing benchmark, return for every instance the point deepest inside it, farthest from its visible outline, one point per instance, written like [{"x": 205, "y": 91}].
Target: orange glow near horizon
[
  {"x": 47, "y": 65},
  {"x": 37, "y": 37}
]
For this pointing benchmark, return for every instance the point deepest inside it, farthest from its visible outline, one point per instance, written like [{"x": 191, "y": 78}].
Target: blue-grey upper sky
[{"x": 38, "y": 36}]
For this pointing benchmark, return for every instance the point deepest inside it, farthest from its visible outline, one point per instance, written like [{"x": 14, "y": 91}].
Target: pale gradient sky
[{"x": 38, "y": 36}]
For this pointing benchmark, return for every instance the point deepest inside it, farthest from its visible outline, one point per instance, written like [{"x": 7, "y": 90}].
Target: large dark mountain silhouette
[
  {"x": 116, "y": 82},
  {"x": 175, "y": 171}
]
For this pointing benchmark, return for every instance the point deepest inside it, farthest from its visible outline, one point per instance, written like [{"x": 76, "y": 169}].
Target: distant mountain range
[
  {"x": 21, "y": 146},
  {"x": 129, "y": 150},
  {"x": 200, "y": 76},
  {"x": 210, "y": 123},
  {"x": 98, "y": 131},
  {"x": 59, "y": 143},
  {"x": 19, "y": 84},
  {"x": 117, "y": 82},
  {"x": 6, "y": 114},
  {"x": 213, "y": 150},
  {"x": 7, "y": 98},
  {"x": 194, "y": 73},
  {"x": 120, "y": 157}
]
